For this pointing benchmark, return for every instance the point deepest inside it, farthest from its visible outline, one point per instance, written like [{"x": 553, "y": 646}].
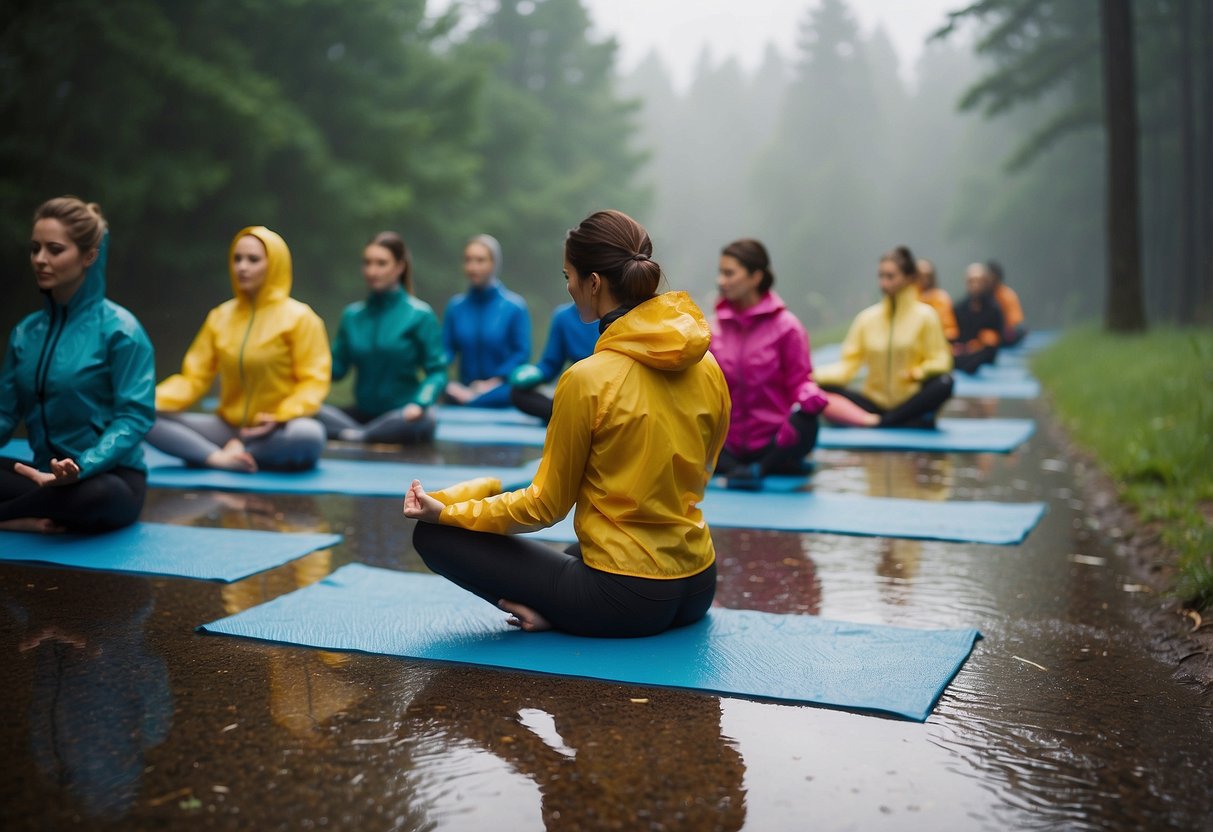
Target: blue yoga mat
[
  {"x": 1004, "y": 524},
  {"x": 483, "y": 415},
  {"x": 158, "y": 549},
  {"x": 793, "y": 658},
  {"x": 952, "y": 435},
  {"x": 992, "y": 387},
  {"x": 357, "y": 478}
]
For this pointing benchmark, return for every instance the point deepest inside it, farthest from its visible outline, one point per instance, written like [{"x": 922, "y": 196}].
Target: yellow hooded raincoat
[
  {"x": 271, "y": 353},
  {"x": 636, "y": 429},
  {"x": 900, "y": 341}
]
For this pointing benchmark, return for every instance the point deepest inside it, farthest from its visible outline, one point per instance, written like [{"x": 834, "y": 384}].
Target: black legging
[
  {"x": 573, "y": 597},
  {"x": 916, "y": 411},
  {"x": 970, "y": 362},
  {"x": 533, "y": 402},
  {"x": 391, "y": 428},
  {"x": 774, "y": 459},
  {"x": 102, "y": 502}
]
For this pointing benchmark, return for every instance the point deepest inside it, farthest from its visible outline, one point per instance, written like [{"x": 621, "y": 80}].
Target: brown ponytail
[
  {"x": 394, "y": 243},
  {"x": 753, "y": 257},
  {"x": 619, "y": 249},
  {"x": 84, "y": 222}
]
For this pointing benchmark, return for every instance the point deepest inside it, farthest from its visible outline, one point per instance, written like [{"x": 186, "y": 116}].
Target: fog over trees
[{"x": 330, "y": 121}]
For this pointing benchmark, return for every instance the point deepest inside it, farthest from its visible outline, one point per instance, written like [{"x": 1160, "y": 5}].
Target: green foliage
[
  {"x": 325, "y": 120},
  {"x": 1143, "y": 405}
]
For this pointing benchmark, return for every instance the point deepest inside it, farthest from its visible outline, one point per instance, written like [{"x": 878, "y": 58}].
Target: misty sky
[{"x": 680, "y": 29}]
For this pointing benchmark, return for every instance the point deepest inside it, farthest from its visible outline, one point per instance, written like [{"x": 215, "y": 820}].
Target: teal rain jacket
[
  {"x": 82, "y": 377},
  {"x": 395, "y": 343}
]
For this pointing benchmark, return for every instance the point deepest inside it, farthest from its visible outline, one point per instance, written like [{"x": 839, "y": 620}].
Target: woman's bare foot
[
  {"x": 232, "y": 457},
  {"x": 38, "y": 525},
  {"x": 523, "y": 617}
]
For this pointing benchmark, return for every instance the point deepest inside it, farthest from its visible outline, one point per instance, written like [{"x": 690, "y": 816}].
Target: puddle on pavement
[{"x": 121, "y": 715}]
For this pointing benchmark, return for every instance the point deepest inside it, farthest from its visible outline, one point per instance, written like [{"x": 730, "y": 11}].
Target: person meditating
[
  {"x": 636, "y": 429},
  {"x": 272, "y": 357},
  {"x": 900, "y": 342},
  {"x": 80, "y": 374},
  {"x": 394, "y": 343},
  {"x": 763, "y": 350},
  {"x": 487, "y": 328}
]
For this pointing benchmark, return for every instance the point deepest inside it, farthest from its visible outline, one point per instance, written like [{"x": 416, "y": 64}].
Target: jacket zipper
[
  {"x": 248, "y": 394},
  {"x": 42, "y": 369},
  {"x": 888, "y": 378}
]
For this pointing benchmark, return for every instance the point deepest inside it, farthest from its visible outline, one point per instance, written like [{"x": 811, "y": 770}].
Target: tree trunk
[
  {"x": 1204, "y": 269},
  {"x": 1189, "y": 271},
  {"x": 1126, "y": 306}
]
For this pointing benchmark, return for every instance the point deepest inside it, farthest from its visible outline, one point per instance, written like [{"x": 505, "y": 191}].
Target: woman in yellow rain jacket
[
  {"x": 900, "y": 342},
  {"x": 636, "y": 429},
  {"x": 272, "y": 357}
]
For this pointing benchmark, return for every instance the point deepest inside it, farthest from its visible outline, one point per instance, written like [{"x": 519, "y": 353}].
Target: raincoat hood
[
  {"x": 277, "y": 286},
  {"x": 667, "y": 332}
]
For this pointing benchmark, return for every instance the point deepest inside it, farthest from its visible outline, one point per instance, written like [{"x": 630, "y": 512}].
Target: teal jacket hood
[{"x": 81, "y": 377}]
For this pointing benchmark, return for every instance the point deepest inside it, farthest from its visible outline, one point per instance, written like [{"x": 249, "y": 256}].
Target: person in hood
[
  {"x": 394, "y": 342},
  {"x": 570, "y": 339},
  {"x": 763, "y": 350},
  {"x": 272, "y": 357},
  {"x": 488, "y": 328},
  {"x": 635, "y": 433},
  {"x": 80, "y": 374},
  {"x": 901, "y": 344}
]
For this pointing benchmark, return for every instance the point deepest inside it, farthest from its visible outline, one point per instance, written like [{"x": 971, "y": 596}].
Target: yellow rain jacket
[
  {"x": 900, "y": 341},
  {"x": 271, "y": 353},
  {"x": 636, "y": 429}
]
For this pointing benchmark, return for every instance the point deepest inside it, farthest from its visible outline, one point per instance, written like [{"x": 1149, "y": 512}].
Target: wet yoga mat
[
  {"x": 994, "y": 387},
  {"x": 953, "y": 435},
  {"x": 998, "y": 436},
  {"x": 158, "y": 549},
  {"x": 332, "y": 476},
  {"x": 793, "y": 658},
  {"x": 1004, "y": 524}
]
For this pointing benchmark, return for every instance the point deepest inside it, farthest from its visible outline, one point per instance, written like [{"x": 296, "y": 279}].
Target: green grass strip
[{"x": 1143, "y": 406}]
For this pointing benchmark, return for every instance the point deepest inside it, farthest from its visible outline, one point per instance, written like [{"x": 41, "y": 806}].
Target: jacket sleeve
[
  {"x": 434, "y": 361},
  {"x": 198, "y": 368},
  {"x": 8, "y": 394},
  {"x": 936, "y": 355},
  {"x": 798, "y": 370},
  {"x": 947, "y": 318},
  {"x": 848, "y": 364},
  {"x": 313, "y": 366},
  {"x": 554, "y": 352},
  {"x": 341, "y": 348},
  {"x": 1012, "y": 311},
  {"x": 554, "y": 490},
  {"x": 133, "y": 372}
]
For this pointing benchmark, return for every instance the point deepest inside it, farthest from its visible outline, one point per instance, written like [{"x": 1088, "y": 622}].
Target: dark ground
[{"x": 1067, "y": 715}]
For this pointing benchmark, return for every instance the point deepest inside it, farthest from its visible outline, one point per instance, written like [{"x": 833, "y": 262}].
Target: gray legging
[
  {"x": 391, "y": 428},
  {"x": 294, "y": 446}
]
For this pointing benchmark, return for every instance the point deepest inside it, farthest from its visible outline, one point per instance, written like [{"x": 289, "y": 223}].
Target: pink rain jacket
[{"x": 764, "y": 352}]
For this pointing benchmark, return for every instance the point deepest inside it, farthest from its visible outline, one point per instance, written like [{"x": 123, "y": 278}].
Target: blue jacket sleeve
[
  {"x": 133, "y": 369},
  {"x": 554, "y": 353}
]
